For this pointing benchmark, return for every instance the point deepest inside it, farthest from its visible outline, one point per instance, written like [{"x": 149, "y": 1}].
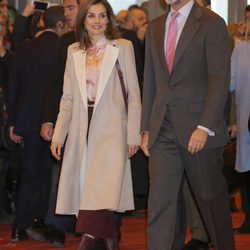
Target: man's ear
[{"x": 60, "y": 25}]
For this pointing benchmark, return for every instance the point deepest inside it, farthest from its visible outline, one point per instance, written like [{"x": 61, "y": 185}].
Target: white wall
[
  {"x": 118, "y": 5},
  {"x": 221, "y": 8}
]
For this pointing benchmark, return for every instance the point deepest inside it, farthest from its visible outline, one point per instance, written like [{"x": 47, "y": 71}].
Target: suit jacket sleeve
[
  {"x": 148, "y": 85},
  {"x": 217, "y": 49},
  {"x": 13, "y": 89},
  {"x": 54, "y": 89},
  {"x": 21, "y": 30},
  {"x": 66, "y": 104}
]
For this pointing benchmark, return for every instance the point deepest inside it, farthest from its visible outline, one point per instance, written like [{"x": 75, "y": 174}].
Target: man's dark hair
[
  {"x": 134, "y": 6},
  {"x": 52, "y": 15},
  {"x": 247, "y": 9}
]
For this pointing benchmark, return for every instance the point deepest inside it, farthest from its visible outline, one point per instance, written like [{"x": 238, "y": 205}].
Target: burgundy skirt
[{"x": 99, "y": 223}]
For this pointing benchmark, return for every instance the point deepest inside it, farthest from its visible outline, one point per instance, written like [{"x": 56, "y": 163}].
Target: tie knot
[{"x": 175, "y": 14}]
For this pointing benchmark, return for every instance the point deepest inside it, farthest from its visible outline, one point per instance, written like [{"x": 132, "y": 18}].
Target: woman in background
[
  {"x": 240, "y": 84},
  {"x": 102, "y": 134}
]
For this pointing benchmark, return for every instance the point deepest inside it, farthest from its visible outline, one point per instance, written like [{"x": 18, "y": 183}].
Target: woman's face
[{"x": 96, "y": 21}]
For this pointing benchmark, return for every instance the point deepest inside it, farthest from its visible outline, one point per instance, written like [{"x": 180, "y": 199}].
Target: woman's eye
[{"x": 90, "y": 15}]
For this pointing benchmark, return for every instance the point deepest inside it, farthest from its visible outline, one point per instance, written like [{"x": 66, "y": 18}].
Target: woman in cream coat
[{"x": 101, "y": 135}]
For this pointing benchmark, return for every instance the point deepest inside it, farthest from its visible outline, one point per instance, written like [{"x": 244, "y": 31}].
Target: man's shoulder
[
  {"x": 69, "y": 37},
  {"x": 210, "y": 16}
]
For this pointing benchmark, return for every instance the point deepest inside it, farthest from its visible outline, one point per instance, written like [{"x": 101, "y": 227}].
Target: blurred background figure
[
  {"x": 240, "y": 79},
  {"x": 121, "y": 18},
  {"x": 30, "y": 72},
  {"x": 137, "y": 20}
]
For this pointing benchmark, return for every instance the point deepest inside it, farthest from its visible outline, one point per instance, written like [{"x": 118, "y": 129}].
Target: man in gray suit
[{"x": 182, "y": 121}]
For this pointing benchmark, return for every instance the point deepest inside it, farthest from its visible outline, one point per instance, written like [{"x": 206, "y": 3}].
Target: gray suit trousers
[{"x": 167, "y": 163}]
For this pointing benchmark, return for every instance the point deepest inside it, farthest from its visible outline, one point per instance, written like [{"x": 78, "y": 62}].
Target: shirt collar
[{"x": 184, "y": 10}]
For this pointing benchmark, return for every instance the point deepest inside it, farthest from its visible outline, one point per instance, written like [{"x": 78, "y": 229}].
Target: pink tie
[{"x": 171, "y": 40}]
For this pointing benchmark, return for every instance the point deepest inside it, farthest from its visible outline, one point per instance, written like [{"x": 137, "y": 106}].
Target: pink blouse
[{"x": 93, "y": 64}]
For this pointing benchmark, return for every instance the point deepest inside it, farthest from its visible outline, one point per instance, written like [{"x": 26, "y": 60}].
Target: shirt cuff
[
  {"x": 210, "y": 132},
  {"x": 48, "y": 123}
]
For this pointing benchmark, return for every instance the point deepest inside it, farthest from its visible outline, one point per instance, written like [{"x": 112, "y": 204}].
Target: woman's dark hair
[{"x": 82, "y": 35}]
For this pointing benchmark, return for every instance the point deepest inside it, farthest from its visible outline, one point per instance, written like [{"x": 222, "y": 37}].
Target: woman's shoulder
[
  {"x": 123, "y": 42},
  {"x": 74, "y": 47},
  {"x": 242, "y": 45}
]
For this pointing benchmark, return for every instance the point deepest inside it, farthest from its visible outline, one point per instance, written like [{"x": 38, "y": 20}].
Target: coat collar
[{"x": 108, "y": 63}]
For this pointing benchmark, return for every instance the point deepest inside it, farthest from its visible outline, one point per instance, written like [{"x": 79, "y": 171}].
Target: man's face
[
  {"x": 70, "y": 8},
  {"x": 140, "y": 18}
]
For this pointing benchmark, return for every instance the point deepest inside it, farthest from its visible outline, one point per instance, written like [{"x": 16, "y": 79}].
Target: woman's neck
[{"x": 96, "y": 39}]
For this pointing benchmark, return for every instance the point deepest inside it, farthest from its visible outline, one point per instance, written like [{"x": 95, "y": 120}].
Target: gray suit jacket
[{"x": 197, "y": 88}]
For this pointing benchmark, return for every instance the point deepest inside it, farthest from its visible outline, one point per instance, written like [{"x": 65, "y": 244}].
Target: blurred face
[
  {"x": 70, "y": 8},
  {"x": 3, "y": 7},
  {"x": 241, "y": 27},
  {"x": 2, "y": 25},
  {"x": 96, "y": 21},
  {"x": 139, "y": 19},
  {"x": 247, "y": 14}
]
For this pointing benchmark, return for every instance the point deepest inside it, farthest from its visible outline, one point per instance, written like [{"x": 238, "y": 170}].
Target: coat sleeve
[
  {"x": 66, "y": 104},
  {"x": 134, "y": 100}
]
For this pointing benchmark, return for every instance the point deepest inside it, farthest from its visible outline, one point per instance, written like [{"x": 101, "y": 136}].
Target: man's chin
[{"x": 171, "y": 2}]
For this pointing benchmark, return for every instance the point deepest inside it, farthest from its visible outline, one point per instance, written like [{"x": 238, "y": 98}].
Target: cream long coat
[{"x": 97, "y": 175}]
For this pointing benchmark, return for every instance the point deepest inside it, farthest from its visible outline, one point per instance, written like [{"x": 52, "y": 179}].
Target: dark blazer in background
[
  {"x": 54, "y": 89},
  {"x": 30, "y": 73}
]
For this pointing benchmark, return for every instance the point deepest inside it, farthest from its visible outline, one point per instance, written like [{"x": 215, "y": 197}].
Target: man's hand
[
  {"x": 144, "y": 143},
  {"x": 46, "y": 131},
  {"x": 197, "y": 141},
  {"x": 132, "y": 149},
  {"x": 141, "y": 32},
  {"x": 233, "y": 131},
  {"x": 28, "y": 10},
  {"x": 56, "y": 150},
  {"x": 14, "y": 137}
]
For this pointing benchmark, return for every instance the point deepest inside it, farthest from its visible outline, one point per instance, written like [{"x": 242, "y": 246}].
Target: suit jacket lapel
[
  {"x": 160, "y": 38},
  {"x": 79, "y": 60},
  {"x": 188, "y": 32},
  {"x": 108, "y": 63}
]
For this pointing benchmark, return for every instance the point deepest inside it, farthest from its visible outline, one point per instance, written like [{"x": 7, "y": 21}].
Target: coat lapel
[
  {"x": 79, "y": 60},
  {"x": 188, "y": 32},
  {"x": 108, "y": 63}
]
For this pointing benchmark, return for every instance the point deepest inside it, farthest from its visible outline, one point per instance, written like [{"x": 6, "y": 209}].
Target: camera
[{"x": 41, "y": 5}]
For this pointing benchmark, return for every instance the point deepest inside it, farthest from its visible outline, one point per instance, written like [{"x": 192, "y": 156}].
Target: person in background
[
  {"x": 94, "y": 118},
  {"x": 240, "y": 78},
  {"x": 31, "y": 69},
  {"x": 136, "y": 20},
  {"x": 121, "y": 18}
]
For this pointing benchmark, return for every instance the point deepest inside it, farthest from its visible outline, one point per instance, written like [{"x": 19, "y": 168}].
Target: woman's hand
[
  {"x": 56, "y": 149},
  {"x": 132, "y": 149}
]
